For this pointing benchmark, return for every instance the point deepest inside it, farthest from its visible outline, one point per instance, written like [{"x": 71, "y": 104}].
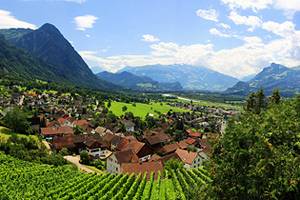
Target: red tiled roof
[
  {"x": 61, "y": 120},
  {"x": 169, "y": 148},
  {"x": 182, "y": 144},
  {"x": 157, "y": 137},
  {"x": 63, "y": 142},
  {"x": 135, "y": 145},
  {"x": 51, "y": 131},
  {"x": 123, "y": 142},
  {"x": 141, "y": 168},
  {"x": 81, "y": 122},
  {"x": 186, "y": 156},
  {"x": 192, "y": 133},
  {"x": 127, "y": 156},
  {"x": 190, "y": 141}
]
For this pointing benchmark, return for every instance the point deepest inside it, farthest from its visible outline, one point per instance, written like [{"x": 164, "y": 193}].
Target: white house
[
  {"x": 113, "y": 163},
  {"x": 191, "y": 159},
  {"x": 97, "y": 149}
]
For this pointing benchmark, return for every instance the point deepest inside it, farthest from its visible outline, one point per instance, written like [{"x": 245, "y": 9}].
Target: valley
[{"x": 151, "y": 100}]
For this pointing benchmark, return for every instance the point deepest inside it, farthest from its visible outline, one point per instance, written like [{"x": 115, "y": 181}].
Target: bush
[{"x": 84, "y": 157}]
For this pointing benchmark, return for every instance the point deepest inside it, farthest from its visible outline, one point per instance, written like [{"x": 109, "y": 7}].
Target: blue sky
[{"x": 235, "y": 37}]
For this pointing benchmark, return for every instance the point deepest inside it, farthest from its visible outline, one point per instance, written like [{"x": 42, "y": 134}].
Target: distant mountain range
[
  {"x": 287, "y": 80},
  {"x": 134, "y": 82},
  {"x": 51, "y": 53},
  {"x": 190, "y": 77},
  {"x": 45, "y": 54}
]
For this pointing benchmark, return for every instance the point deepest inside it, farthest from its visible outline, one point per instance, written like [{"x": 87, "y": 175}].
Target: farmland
[
  {"x": 141, "y": 109},
  {"x": 26, "y": 180}
]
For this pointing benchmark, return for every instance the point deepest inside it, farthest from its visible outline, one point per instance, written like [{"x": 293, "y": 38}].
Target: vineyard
[{"x": 26, "y": 180}]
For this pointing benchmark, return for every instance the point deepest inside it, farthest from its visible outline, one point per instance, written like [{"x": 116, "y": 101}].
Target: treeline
[{"x": 258, "y": 157}]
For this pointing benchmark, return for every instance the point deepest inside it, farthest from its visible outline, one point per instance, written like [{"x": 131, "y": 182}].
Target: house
[
  {"x": 154, "y": 167},
  {"x": 168, "y": 149},
  {"x": 191, "y": 159},
  {"x": 102, "y": 131},
  {"x": 156, "y": 139},
  {"x": 97, "y": 149},
  {"x": 129, "y": 125},
  {"x": 193, "y": 134},
  {"x": 142, "y": 151},
  {"x": 114, "y": 162},
  {"x": 67, "y": 142},
  {"x": 81, "y": 123},
  {"x": 50, "y": 132}
]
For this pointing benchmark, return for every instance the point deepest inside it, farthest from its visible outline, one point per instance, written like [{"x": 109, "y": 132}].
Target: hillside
[
  {"x": 134, "y": 82},
  {"x": 49, "y": 46},
  {"x": 190, "y": 77},
  {"x": 275, "y": 76},
  {"x": 18, "y": 63},
  {"x": 49, "y": 182}
]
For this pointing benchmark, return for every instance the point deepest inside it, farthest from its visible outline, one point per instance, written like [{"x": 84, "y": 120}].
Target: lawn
[
  {"x": 211, "y": 104},
  {"x": 141, "y": 109}
]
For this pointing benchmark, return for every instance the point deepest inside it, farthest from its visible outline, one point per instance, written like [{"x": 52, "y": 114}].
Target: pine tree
[{"x": 275, "y": 98}]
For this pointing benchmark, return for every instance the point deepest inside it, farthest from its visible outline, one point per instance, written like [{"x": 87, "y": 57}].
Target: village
[{"x": 75, "y": 124}]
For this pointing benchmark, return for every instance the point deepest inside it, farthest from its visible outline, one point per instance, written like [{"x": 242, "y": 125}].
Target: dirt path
[{"x": 75, "y": 161}]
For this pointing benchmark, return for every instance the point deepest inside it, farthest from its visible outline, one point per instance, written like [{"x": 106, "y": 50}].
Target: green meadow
[{"x": 141, "y": 109}]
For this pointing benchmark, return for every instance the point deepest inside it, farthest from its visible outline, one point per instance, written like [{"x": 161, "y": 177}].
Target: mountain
[
  {"x": 287, "y": 80},
  {"x": 17, "y": 63},
  {"x": 49, "y": 46},
  {"x": 248, "y": 77},
  {"x": 134, "y": 82},
  {"x": 190, "y": 77}
]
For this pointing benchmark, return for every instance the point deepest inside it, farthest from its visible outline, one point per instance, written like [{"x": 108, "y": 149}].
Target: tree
[
  {"x": 260, "y": 101},
  {"x": 109, "y": 103},
  {"x": 173, "y": 164},
  {"x": 275, "y": 98},
  {"x": 84, "y": 157},
  {"x": 250, "y": 102},
  {"x": 258, "y": 156},
  {"x": 124, "y": 108},
  {"x": 77, "y": 130},
  {"x": 16, "y": 120},
  {"x": 150, "y": 121}
]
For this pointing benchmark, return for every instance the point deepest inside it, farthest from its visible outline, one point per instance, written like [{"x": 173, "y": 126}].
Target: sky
[{"x": 234, "y": 37}]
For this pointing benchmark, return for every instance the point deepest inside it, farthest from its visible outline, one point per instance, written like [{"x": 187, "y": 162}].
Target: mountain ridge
[
  {"x": 48, "y": 45},
  {"x": 275, "y": 76},
  {"x": 190, "y": 77},
  {"x": 134, "y": 82}
]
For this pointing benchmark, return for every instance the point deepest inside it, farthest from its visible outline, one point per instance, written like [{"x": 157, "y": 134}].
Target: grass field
[
  {"x": 211, "y": 104},
  {"x": 141, "y": 109}
]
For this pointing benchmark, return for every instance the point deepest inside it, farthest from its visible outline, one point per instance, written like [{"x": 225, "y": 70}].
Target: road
[{"x": 75, "y": 160}]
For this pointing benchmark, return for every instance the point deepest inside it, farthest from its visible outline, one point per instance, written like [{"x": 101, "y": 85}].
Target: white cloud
[
  {"x": 253, "y": 40},
  {"x": 87, "y": 35},
  {"x": 248, "y": 4},
  {"x": 216, "y": 32},
  {"x": 150, "y": 38},
  {"x": 225, "y": 26},
  {"x": 284, "y": 29},
  {"x": 77, "y": 1},
  {"x": 252, "y": 21},
  {"x": 209, "y": 14},
  {"x": 289, "y": 7},
  {"x": 85, "y": 22},
  {"x": 248, "y": 58},
  {"x": 7, "y": 20}
]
